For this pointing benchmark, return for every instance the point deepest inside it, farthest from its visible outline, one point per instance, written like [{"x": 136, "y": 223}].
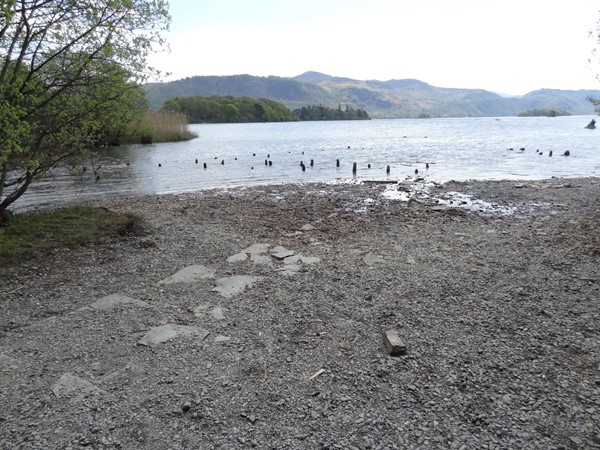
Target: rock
[
  {"x": 370, "y": 259},
  {"x": 200, "y": 310},
  {"x": 393, "y": 344},
  {"x": 307, "y": 227},
  {"x": 260, "y": 259},
  {"x": 295, "y": 259},
  {"x": 289, "y": 269},
  {"x": 257, "y": 249},
  {"x": 186, "y": 406},
  {"x": 238, "y": 257},
  {"x": 230, "y": 286},
  {"x": 115, "y": 300},
  {"x": 69, "y": 385},
  {"x": 189, "y": 274},
  {"x": 220, "y": 338},
  {"x": 168, "y": 332},
  {"x": 217, "y": 313},
  {"x": 282, "y": 254}
]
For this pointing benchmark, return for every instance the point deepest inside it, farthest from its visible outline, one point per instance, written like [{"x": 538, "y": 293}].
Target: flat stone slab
[
  {"x": 69, "y": 385},
  {"x": 260, "y": 259},
  {"x": 283, "y": 254},
  {"x": 307, "y": 260},
  {"x": 307, "y": 227},
  {"x": 289, "y": 269},
  {"x": 370, "y": 259},
  {"x": 257, "y": 249},
  {"x": 255, "y": 253},
  {"x": 168, "y": 332},
  {"x": 189, "y": 275},
  {"x": 220, "y": 339},
  {"x": 114, "y": 300},
  {"x": 238, "y": 257},
  {"x": 217, "y": 313},
  {"x": 230, "y": 286}
]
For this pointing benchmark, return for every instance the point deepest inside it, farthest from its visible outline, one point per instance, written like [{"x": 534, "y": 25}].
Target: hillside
[{"x": 381, "y": 99}]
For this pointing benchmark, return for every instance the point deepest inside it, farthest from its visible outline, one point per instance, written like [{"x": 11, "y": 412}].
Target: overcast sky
[{"x": 506, "y": 46}]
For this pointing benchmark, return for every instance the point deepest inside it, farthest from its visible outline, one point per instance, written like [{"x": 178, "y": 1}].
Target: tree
[{"x": 70, "y": 75}]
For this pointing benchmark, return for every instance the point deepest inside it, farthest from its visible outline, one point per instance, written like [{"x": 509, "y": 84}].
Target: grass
[
  {"x": 159, "y": 126},
  {"x": 30, "y": 234}
]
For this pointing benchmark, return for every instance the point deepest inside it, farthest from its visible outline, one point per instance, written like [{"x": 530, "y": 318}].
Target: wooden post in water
[
  {"x": 353, "y": 167},
  {"x": 337, "y": 163},
  {"x": 312, "y": 162},
  {"x": 387, "y": 170}
]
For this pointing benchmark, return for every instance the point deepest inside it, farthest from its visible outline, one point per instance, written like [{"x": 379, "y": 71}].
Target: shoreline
[{"x": 499, "y": 314}]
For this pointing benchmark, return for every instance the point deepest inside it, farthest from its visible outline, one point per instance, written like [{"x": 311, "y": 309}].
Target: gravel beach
[{"x": 254, "y": 318}]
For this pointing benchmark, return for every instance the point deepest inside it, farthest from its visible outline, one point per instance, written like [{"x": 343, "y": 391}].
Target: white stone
[
  {"x": 230, "y": 286},
  {"x": 168, "y": 332},
  {"x": 114, "y": 300},
  {"x": 189, "y": 275},
  {"x": 70, "y": 385}
]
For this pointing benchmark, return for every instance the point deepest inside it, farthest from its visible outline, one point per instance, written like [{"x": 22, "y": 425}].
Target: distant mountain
[{"x": 381, "y": 99}]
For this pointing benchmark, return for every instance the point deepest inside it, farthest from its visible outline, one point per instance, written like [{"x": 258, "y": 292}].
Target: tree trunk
[{"x": 13, "y": 197}]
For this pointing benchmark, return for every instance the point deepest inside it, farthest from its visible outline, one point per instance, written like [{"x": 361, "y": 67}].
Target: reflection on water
[{"x": 271, "y": 153}]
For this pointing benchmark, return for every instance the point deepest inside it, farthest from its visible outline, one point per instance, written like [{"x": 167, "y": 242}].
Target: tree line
[
  {"x": 544, "y": 113},
  {"x": 324, "y": 113},
  {"x": 230, "y": 109}
]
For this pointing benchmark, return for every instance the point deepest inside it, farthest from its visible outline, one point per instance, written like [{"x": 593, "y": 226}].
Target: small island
[
  {"x": 230, "y": 109},
  {"x": 555, "y": 112}
]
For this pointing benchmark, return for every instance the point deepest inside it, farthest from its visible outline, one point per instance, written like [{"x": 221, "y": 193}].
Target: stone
[
  {"x": 282, "y": 254},
  {"x": 69, "y": 385},
  {"x": 230, "y": 286},
  {"x": 168, "y": 332},
  {"x": 370, "y": 259},
  {"x": 114, "y": 300},
  {"x": 257, "y": 249},
  {"x": 289, "y": 269},
  {"x": 260, "y": 259},
  {"x": 295, "y": 259},
  {"x": 200, "y": 310},
  {"x": 186, "y": 406},
  {"x": 307, "y": 227},
  {"x": 217, "y": 313},
  {"x": 238, "y": 257},
  {"x": 189, "y": 274},
  {"x": 220, "y": 339},
  {"x": 393, "y": 344}
]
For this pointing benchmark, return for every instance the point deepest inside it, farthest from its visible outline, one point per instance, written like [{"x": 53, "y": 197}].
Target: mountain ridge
[{"x": 395, "y": 98}]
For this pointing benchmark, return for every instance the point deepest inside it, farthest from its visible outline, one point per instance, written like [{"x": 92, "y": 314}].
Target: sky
[{"x": 506, "y": 46}]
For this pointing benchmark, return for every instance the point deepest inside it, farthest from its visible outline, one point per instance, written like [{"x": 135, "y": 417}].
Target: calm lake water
[{"x": 459, "y": 149}]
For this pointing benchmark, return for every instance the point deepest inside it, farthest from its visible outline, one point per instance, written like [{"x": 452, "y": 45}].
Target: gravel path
[{"x": 493, "y": 287}]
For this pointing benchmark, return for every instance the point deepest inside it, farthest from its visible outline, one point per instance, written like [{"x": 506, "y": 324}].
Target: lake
[{"x": 458, "y": 149}]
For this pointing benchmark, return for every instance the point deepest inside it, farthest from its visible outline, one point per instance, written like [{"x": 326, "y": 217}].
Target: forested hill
[{"x": 382, "y": 99}]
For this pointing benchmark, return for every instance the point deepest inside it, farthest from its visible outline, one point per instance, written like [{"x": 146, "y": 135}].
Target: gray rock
[
  {"x": 393, "y": 344},
  {"x": 283, "y": 254},
  {"x": 217, "y": 313},
  {"x": 189, "y": 274},
  {"x": 115, "y": 300},
  {"x": 69, "y": 385},
  {"x": 230, "y": 286},
  {"x": 168, "y": 332}
]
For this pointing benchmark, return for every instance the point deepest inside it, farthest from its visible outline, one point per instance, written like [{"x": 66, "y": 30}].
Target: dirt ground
[{"x": 494, "y": 287}]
